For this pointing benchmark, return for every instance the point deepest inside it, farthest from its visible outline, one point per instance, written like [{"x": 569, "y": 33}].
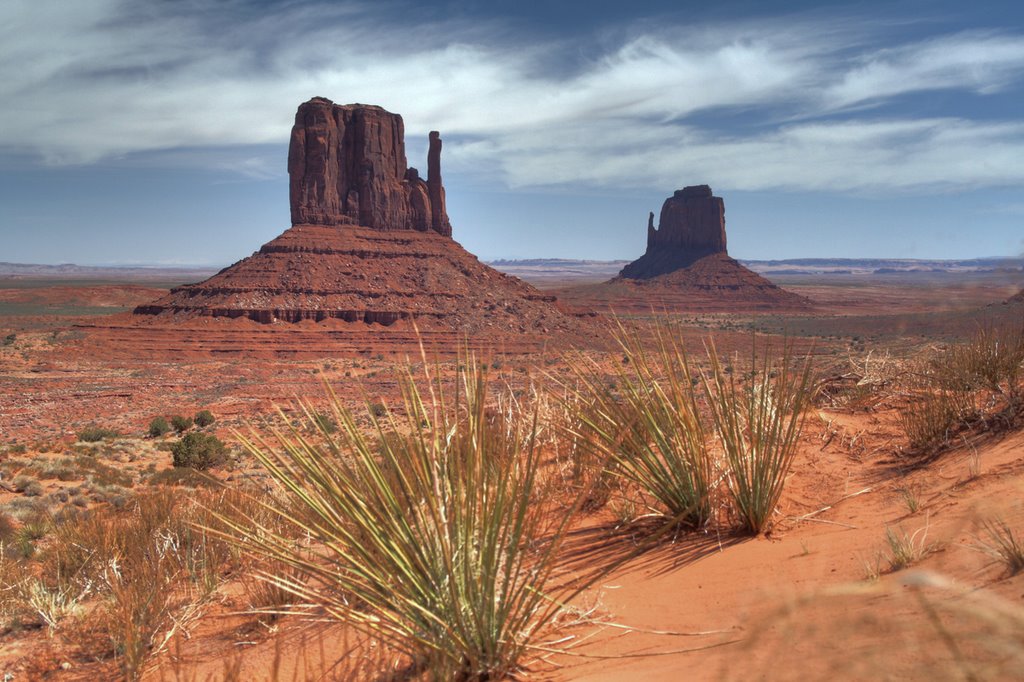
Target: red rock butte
[
  {"x": 686, "y": 266},
  {"x": 370, "y": 249}
]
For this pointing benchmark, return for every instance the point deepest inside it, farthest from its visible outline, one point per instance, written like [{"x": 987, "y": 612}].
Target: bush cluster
[{"x": 198, "y": 451}]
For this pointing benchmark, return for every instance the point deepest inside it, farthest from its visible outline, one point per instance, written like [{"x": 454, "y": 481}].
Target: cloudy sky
[{"x": 155, "y": 131}]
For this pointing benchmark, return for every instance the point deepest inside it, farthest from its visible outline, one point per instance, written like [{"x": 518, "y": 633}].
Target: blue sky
[{"x": 155, "y": 131}]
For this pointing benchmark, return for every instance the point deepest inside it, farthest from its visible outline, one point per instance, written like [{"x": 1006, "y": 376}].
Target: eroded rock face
[
  {"x": 691, "y": 226},
  {"x": 347, "y": 166}
]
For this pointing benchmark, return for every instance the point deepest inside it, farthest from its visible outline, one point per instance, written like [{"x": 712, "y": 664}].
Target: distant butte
[
  {"x": 370, "y": 243},
  {"x": 686, "y": 267},
  {"x": 686, "y": 263},
  {"x": 691, "y": 226}
]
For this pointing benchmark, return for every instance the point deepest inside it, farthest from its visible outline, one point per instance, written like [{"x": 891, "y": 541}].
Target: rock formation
[
  {"x": 691, "y": 226},
  {"x": 686, "y": 264},
  {"x": 370, "y": 243},
  {"x": 347, "y": 166}
]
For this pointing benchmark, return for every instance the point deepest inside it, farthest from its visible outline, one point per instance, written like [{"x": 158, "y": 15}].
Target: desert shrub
[
  {"x": 7, "y": 527},
  {"x": 198, "y": 451},
  {"x": 428, "y": 539},
  {"x": 992, "y": 358},
  {"x": 649, "y": 427},
  {"x": 10, "y": 339},
  {"x": 183, "y": 476},
  {"x": 378, "y": 410},
  {"x": 758, "y": 421},
  {"x": 151, "y": 562},
  {"x": 905, "y": 548},
  {"x": 934, "y": 417},
  {"x": 94, "y": 434},
  {"x": 1003, "y": 544},
  {"x": 323, "y": 421},
  {"x": 103, "y": 474},
  {"x": 23, "y": 483},
  {"x": 158, "y": 427},
  {"x": 180, "y": 423},
  {"x": 204, "y": 418}
]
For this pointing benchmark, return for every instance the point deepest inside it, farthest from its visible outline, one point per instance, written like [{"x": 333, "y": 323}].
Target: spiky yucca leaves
[
  {"x": 649, "y": 427},
  {"x": 426, "y": 535},
  {"x": 758, "y": 420}
]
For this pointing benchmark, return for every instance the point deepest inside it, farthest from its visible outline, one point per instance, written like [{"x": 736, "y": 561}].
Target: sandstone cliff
[{"x": 347, "y": 166}]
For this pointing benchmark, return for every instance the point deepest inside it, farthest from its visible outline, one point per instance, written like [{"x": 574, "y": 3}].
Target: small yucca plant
[
  {"x": 427, "y": 534},
  {"x": 649, "y": 427},
  {"x": 758, "y": 419}
]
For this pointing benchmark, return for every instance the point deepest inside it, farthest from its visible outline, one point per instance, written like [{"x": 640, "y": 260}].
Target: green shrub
[
  {"x": 158, "y": 427},
  {"x": 94, "y": 434},
  {"x": 198, "y": 451},
  {"x": 204, "y": 418},
  {"x": 324, "y": 422},
  {"x": 180, "y": 423}
]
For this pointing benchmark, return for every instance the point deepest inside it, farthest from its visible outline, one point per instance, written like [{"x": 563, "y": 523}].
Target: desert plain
[{"x": 819, "y": 594}]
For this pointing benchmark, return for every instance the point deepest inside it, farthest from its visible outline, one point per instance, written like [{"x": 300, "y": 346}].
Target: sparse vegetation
[
  {"x": 180, "y": 423},
  {"x": 198, "y": 451},
  {"x": 905, "y": 548},
  {"x": 649, "y": 427},
  {"x": 1002, "y": 543},
  {"x": 94, "y": 434},
  {"x": 204, "y": 418},
  {"x": 158, "y": 427}
]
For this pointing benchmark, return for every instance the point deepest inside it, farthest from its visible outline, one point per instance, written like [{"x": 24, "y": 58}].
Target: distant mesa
[
  {"x": 686, "y": 266},
  {"x": 370, "y": 243}
]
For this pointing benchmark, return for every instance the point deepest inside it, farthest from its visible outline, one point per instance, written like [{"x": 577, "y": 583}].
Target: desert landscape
[{"x": 364, "y": 453}]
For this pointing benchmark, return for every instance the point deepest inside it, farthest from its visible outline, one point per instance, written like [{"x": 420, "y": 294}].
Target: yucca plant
[
  {"x": 426, "y": 534},
  {"x": 758, "y": 416},
  {"x": 648, "y": 425}
]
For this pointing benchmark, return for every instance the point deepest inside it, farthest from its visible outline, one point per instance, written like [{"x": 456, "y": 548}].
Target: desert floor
[{"x": 816, "y": 597}]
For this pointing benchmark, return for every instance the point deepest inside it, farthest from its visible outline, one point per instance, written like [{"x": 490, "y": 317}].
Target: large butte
[
  {"x": 370, "y": 245},
  {"x": 369, "y": 265}
]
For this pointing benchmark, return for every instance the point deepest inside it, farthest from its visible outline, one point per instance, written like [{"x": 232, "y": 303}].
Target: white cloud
[
  {"x": 86, "y": 81},
  {"x": 982, "y": 62}
]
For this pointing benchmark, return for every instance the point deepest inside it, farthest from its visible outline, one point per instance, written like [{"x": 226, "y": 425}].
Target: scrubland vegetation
[{"x": 436, "y": 526}]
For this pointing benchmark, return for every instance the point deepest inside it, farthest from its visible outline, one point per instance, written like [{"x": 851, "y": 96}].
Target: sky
[{"x": 156, "y": 131}]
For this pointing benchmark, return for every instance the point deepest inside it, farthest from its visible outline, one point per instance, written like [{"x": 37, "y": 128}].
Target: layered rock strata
[{"x": 370, "y": 243}]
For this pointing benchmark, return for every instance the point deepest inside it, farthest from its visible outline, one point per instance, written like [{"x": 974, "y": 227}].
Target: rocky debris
[
  {"x": 347, "y": 166},
  {"x": 687, "y": 260},
  {"x": 691, "y": 226}
]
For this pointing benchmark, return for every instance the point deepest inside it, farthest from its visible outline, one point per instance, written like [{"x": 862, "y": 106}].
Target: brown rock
[
  {"x": 347, "y": 166},
  {"x": 370, "y": 247},
  {"x": 686, "y": 264},
  {"x": 691, "y": 226}
]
